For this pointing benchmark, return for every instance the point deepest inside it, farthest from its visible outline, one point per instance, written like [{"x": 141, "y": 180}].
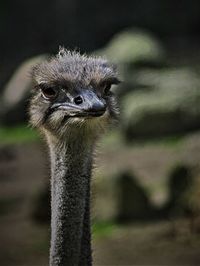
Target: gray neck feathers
[{"x": 70, "y": 203}]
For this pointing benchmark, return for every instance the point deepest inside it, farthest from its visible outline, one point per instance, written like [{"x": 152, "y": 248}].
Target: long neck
[{"x": 70, "y": 199}]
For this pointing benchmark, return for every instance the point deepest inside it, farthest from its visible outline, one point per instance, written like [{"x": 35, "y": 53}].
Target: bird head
[{"x": 73, "y": 93}]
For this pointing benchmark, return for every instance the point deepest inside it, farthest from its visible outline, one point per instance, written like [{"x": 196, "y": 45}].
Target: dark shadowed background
[{"x": 146, "y": 188}]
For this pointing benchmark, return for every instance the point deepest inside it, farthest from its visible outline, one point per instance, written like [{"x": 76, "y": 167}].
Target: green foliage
[
  {"x": 17, "y": 134},
  {"x": 103, "y": 229}
]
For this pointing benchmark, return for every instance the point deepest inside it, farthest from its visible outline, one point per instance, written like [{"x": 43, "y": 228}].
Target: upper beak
[{"x": 91, "y": 103}]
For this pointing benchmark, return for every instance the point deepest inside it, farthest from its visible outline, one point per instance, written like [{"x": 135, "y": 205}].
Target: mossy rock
[
  {"x": 132, "y": 47},
  {"x": 169, "y": 106}
]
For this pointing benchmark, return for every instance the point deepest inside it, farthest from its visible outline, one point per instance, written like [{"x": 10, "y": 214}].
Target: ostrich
[{"x": 71, "y": 106}]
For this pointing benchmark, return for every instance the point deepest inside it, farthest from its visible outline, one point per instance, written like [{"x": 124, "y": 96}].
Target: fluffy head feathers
[{"x": 77, "y": 84}]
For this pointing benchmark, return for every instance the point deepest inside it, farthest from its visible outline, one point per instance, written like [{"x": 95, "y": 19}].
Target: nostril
[{"x": 78, "y": 100}]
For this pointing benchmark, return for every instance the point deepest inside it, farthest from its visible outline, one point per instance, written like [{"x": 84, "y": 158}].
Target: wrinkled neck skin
[{"x": 70, "y": 201}]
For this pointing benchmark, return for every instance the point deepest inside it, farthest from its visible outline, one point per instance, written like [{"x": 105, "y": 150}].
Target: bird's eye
[
  {"x": 106, "y": 88},
  {"x": 49, "y": 93}
]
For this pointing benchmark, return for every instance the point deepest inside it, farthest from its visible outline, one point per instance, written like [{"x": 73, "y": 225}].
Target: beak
[
  {"x": 83, "y": 104},
  {"x": 91, "y": 103}
]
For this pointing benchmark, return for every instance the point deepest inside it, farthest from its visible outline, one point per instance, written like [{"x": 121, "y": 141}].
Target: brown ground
[{"x": 23, "y": 172}]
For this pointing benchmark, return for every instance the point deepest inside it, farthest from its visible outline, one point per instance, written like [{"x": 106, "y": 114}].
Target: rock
[
  {"x": 132, "y": 47},
  {"x": 181, "y": 186},
  {"x": 169, "y": 104},
  {"x": 16, "y": 92},
  {"x": 121, "y": 198},
  {"x": 133, "y": 202}
]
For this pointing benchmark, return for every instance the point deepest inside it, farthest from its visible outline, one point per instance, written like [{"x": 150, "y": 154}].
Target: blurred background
[{"x": 146, "y": 188}]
